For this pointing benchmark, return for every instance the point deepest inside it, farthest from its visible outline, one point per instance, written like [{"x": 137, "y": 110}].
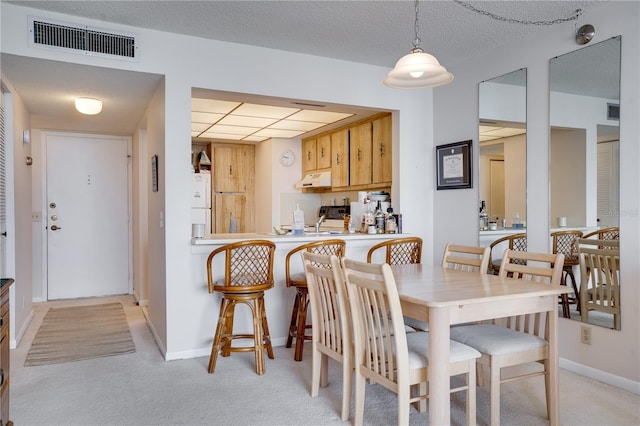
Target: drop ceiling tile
[
  {"x": 237, "y": 120},
  {"x": 254, "y": 138},
  {"x": 319, "y": 116},
  {"x": 205, "y": 117},
  {"x": 275, "y": 133},
  {"x": 255, "y": 110},
  {"x": 505, "y": 132},
  {"x": 488, "y": 128},
  {"x": 484, "y": 138},
  {"x": 296, "y": 125},
  {"x": 234, "y": 130},
  {"x": 211, "y": 105},
  {"x": 217, "y": 135},
  {"x": 199, "y": 127}
]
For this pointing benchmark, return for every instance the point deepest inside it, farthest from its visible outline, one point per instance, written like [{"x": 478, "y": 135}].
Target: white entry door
[{"x": 87, "y": 216}]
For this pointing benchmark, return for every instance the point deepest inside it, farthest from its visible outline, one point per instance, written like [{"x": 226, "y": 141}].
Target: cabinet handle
[
  {"x": 230, "y": 170},
  {"x": 359, "y": 154},
  {"x": 1, "y": 376},
  {"x": 338, "y": 159},
  {"x": 309, "y": 155},
  {"x": 381, "y": 150},
  {"x": 322, "y": 152},
  {"x": 1, "y": 321}
]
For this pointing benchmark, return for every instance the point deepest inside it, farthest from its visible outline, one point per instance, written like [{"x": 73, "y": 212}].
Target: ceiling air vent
[
  {"x": 82, "y": 39},
  {"x": 613, "y": 112}
]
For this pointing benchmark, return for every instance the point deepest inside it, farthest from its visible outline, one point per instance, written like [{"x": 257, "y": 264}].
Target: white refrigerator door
[
  {"x": 201, "y": 191},
  {"x": 202, "y": 216}
]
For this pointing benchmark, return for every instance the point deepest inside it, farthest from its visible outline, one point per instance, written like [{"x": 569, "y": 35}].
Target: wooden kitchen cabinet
[
  {"x": 340, "y": 158},
  {"x": 381, "y": 155},
  {"x": 309, "y": 155},
  {"x": 360, "y": 139},
  {"x": 323, "y": 151},
  {"x": 228, "y": 169},
  {"x": 231, "y": 207}
]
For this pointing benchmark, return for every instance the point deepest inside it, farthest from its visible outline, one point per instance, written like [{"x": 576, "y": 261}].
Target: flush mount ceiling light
[
  {"x": 89, "y": 106},
  {"x": 418, "y": 69}
]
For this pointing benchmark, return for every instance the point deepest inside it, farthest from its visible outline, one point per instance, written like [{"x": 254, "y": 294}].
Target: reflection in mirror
[
  {"x": 584, "y": 149},
  {"x": 502, "y": 160}
]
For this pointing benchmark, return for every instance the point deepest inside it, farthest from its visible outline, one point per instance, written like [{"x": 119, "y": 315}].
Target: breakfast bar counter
[{"x": 201, "y": 308}]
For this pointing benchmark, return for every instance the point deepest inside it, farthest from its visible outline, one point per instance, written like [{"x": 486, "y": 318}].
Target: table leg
[
  {"x": 439, "y": 402},
  {"x": 553, "y": 366}
]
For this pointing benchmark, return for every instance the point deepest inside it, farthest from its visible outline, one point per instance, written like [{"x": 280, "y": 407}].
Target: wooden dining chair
[
  {"x": 248, "y": 273},
  {"x": 565, "y": 242},
  {"x": 466, "y": 258},
  {"x": 298, "y": 324},
  {"x": 514, "y": 340},
  {"x": 398, "y": 251},
  {"x": 384, "y": 354},
  {"x": 600, "y": 280},
  {"x": 516, "y": 242},
  {"x": 331, "y": 323}
]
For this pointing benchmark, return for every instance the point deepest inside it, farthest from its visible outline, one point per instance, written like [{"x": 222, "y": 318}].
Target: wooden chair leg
[
  {"x": 258, "y": 336},
  {"x": 266, "y": 335},
  {"x": 294, "y": 319},
  {"x": 302, "y": 324},
  {"x": 217, "y": 338},
  {"x": 471, "y": 393}
]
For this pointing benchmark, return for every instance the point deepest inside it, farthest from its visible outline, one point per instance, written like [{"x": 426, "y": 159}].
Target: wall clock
[{"x": 287, "y": 158}]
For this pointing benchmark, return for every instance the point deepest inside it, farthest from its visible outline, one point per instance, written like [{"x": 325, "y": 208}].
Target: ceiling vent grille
[
  {"x": 85, "y": 40},
  {"x": 613, "y": 111}
]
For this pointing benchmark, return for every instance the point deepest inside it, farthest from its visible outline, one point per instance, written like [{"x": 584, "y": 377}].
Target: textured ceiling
[{"x": 372, "y": 32}]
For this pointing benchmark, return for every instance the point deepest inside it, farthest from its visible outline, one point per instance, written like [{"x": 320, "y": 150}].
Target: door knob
[{"x": 55, "y": 227}]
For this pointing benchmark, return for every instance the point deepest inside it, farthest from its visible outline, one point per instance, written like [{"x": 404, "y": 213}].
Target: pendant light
[{"x": 418, "y": 69}]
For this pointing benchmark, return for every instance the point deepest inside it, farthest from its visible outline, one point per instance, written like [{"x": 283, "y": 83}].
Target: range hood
[{"x": 315, "y": 180}]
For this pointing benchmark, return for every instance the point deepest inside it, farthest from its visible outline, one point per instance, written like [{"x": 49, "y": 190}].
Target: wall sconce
[{"x": 29, "y": 161}]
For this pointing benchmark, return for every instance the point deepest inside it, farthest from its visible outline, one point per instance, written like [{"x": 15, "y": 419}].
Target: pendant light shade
[
  {"x": 418, "y": 69},
  {"x": 89, "y": 106}
]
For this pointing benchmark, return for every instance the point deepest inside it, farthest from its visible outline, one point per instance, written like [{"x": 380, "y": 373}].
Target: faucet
[{"x": 319, "y": 222}]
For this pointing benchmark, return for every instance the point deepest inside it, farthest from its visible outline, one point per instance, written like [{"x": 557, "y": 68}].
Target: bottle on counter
[
  {"x": 390, "y": 225},
  {"x": 369, "y": 220},
  {"x": 484, "y": 216},
  {"x": 379, "y": 219}
]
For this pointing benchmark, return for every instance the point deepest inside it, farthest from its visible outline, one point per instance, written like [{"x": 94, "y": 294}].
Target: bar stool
[
  {"x": 565, "y": 242},
  {"x": 516, "y": 242},
  {"x": 298, "y": 324},
  {"x": 248, "y": 274},
  {"x": 399, "y": 251}
]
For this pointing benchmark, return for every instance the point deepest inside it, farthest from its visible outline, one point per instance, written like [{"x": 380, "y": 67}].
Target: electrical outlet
[{"x": 585, "y": 335}]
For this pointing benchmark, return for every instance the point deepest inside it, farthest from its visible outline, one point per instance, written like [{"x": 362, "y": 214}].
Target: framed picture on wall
[{"x": 453, "y": 165}]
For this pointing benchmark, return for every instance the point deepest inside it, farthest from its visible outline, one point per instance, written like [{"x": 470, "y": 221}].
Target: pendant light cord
[
  {"x": 573, "y": 17},
  {"x": 416, "y": 27}
]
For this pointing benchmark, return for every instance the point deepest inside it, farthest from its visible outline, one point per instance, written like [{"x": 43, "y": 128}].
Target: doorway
[{"x": 87, "y": 215}]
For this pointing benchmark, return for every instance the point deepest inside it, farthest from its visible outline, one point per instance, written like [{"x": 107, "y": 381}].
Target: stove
[{"x": 334, "y": 215}]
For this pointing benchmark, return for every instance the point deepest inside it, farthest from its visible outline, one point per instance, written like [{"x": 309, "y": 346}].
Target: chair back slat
[
  {"x": 537, "y": 267},
  {"x": 466, "y": 258},
  {"x": 380, "y": 340},
  {"x": 329, "y": 308},
  {"x": 566, "y": 242},
  {"x": 600, "y": 274}
]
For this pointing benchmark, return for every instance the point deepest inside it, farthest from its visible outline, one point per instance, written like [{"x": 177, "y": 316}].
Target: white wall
[
  {"x": 613, "y": 355},
  {"x": 568, "y": 158}
]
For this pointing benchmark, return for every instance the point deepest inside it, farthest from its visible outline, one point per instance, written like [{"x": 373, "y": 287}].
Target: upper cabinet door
[
  {"x": 360, "y": 154},
  {"x": 340, "y": 158},
  {"x": 228, "y": 169},
  {"x": 381, "y": 155},
  {"x": 309, "y": 160},
  {"x": 323, "y": 152}
]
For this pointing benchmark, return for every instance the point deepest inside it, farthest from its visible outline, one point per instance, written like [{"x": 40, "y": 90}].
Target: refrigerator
[{"x": 201, "y": 200}]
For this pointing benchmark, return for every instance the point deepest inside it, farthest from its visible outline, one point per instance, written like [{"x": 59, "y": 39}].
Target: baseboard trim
[
  {"x": 13, "y": 343},
  {"x": 601, "y": 376}
]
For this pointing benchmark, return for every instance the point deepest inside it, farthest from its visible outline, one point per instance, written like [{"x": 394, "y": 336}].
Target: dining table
[{"x": 444, "y": 297}]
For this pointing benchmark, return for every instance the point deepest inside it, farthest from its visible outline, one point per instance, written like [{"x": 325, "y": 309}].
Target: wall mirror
[
  {"x": 502, "y": 168},
  {"x": 584, "y": 151}
]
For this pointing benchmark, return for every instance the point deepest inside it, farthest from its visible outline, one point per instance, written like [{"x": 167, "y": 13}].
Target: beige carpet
[{"x": 81, "y": 332}]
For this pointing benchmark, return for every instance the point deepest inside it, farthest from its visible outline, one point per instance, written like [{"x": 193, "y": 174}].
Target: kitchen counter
[{"x": 219, "y": 239}]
